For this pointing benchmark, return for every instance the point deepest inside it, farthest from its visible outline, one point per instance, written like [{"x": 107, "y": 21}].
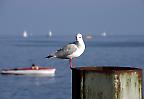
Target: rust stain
[{"x": 117, "y": 86}]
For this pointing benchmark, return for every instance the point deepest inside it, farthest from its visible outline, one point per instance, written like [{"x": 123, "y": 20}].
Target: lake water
[{"x": 23, "y": 52}]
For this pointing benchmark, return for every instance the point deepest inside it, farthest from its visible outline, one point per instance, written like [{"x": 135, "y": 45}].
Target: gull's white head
[{"x": 79, "y": 37}]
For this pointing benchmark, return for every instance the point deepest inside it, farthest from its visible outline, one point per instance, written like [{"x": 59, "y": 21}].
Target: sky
[{"x": 72, "y": 16}]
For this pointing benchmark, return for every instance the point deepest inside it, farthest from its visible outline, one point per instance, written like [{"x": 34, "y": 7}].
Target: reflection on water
[{"x": 38, "y": 81}]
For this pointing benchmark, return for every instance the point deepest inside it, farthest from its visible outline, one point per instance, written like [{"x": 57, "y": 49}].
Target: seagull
[{"x": 71, "y": 50}]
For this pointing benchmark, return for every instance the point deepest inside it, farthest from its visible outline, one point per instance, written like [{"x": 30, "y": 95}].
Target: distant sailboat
[
  {"x": 104, "y": 34},
  {"x": 25, "y": 35},
  {"x": 50, "y": 34},
  {"x": 89, "y": 36}
]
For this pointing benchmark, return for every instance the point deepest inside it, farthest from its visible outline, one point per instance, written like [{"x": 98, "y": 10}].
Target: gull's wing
[{"x": 66, "y": 50}]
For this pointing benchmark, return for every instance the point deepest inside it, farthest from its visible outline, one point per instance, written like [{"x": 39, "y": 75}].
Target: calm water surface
[{"x": 22, "y": 52}]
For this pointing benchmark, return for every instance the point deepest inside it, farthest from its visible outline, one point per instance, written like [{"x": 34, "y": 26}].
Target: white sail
[
  {"x": 25, "y": 34},
  {"x": 104, "y": 34},
  {"x": 50, "y": 34}
]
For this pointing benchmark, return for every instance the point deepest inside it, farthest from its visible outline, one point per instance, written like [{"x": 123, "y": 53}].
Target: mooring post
[{"x": 106, "y": 83}]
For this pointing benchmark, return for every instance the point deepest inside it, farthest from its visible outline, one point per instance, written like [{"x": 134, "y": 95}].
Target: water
[{"x": 22, "y": 52}]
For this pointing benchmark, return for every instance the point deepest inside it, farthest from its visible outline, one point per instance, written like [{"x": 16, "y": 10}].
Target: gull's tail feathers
[{"x": 50, "y": 56}]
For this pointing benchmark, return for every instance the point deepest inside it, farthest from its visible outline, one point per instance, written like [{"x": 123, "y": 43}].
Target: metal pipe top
[{"x": 107, "y": 68}]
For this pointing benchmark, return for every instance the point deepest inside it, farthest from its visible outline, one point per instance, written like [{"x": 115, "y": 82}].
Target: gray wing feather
[{"x": 65, "y": 51}]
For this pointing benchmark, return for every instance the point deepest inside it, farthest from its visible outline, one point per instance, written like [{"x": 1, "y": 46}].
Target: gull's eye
[{"x": 79, "y": 37}]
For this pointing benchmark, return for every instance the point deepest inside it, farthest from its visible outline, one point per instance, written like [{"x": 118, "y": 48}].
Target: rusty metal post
[{"x": 106, "y": 83}]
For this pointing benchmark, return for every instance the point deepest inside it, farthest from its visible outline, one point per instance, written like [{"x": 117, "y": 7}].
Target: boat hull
[{"x": 28, "y": 71}]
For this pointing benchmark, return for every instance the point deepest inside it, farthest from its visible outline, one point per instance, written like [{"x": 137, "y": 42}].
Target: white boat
[
  {"x": 25, "y": 34},
  {"x": 50, "y": 34},
  {"x": 89, "y": 36},
  {"x": 30, "y": 71},
  {"x": 104, "y": 34}
]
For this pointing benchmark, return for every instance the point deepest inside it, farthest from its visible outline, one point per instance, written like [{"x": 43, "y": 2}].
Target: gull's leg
[
  {"x": 70, "y": 62},
  {"x": 74, "y": 62}
]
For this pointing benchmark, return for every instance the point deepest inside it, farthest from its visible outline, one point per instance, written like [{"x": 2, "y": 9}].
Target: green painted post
[{"x": 106, "y": 83}]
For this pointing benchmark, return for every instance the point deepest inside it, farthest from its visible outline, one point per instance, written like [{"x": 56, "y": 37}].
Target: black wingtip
[{"x": 49, "y": 56}]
